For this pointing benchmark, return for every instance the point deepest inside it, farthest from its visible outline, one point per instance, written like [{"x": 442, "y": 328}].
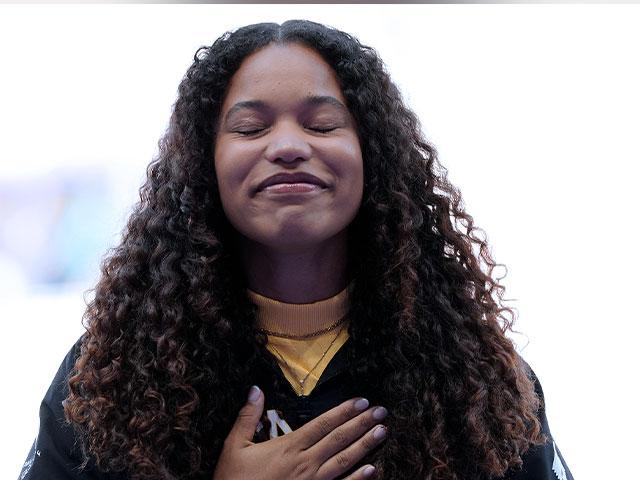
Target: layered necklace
[
  {"x": 302, "y": 381},
  {"x": 306, "y": 335}
]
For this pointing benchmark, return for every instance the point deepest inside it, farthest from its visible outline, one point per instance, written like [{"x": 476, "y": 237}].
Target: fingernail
[
  {"x": 379, "y": 433},
  {"x": 361, "y": 404},
  {"x": 380, "y": 413},
  {"x": 368, "y": 470},
  {"x": 254, "y": 394}
]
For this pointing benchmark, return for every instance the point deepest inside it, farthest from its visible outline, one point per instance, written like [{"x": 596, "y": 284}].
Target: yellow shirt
[{"x": 300, "y": 358}]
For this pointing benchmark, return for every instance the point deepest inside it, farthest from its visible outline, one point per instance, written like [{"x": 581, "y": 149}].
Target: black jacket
[{"x": 55, "y": 455}]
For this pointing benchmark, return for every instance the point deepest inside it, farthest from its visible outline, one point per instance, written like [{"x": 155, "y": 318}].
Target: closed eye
[
  {"x": 254, "y": 131},
  {"x": 322, "y": 129}
]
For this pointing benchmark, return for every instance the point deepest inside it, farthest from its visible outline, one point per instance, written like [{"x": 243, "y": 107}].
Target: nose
[{"x": 287, "y": 143}]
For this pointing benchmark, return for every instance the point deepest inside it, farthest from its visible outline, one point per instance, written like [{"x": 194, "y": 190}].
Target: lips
[{"x": 297, "y": 177}]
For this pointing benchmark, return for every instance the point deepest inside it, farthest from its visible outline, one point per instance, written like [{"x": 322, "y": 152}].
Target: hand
[{"x": 321, "y": 449}]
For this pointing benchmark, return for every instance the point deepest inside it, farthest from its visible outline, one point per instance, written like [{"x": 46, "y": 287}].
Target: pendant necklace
[{"x": 303, "y": 381}]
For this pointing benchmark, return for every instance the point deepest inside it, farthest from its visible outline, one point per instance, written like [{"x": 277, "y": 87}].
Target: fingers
[
  {"x": 349, "y": 443},
  {"x": 366, "y": 471},
  {"x": 247, "y": 421},
  {"x": 344, "y": 435},
  {"x": 318, "y": 428}
]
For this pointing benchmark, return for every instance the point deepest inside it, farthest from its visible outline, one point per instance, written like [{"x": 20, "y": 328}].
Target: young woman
[{"x": 296, "y": 232}]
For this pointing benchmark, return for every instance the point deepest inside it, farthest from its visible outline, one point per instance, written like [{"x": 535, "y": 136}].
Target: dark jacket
[{"x": 56, "y": 456}]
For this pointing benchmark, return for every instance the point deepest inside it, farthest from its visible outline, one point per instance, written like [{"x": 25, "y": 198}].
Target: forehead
[{"x": 281, "y": 68}]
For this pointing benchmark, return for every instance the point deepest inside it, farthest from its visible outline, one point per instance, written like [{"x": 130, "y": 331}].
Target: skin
[
  {"x": 293, "y": 248},
  {"x": 322, "y": 449}
]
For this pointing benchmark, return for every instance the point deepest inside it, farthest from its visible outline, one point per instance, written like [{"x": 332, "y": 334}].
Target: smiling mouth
[{"x": 298, "y": 187}]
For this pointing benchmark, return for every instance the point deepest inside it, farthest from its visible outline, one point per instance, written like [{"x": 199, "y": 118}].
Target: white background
[{"x": 534, "y": 110}]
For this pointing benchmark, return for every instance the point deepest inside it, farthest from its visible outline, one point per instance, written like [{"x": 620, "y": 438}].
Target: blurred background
[{"x": 534, "y": 112}]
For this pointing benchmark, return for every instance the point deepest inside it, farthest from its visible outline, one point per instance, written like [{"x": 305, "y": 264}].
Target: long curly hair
[{"x": 171, "y": 344}]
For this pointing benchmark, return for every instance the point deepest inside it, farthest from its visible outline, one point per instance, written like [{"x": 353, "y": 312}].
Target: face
[{"x": 284, "y": 113}]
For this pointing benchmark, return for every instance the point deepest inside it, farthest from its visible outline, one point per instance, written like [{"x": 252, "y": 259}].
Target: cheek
[
  {"x": 349, "y": 171},
  {"x": 358, "y": 188},
  {"x": 345, "y": 153},
  {"x": 225, "y": 175},
  {"x": 351, "y": 167},
  {"x": 357, "y": 175},
  {"x": 231, "y": 167}
]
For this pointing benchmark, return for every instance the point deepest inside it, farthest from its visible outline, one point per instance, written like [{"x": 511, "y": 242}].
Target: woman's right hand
[{"x": 321, "y": 449}]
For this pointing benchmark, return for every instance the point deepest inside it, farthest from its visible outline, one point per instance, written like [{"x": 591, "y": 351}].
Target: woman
[{"x": 295, "y": 233}]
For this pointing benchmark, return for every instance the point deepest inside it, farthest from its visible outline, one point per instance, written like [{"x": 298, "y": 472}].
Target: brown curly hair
[{"x": 170, "y": 346}]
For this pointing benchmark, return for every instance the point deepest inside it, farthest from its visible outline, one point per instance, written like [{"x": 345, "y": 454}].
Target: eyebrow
[{"x": 314, "y": 100}]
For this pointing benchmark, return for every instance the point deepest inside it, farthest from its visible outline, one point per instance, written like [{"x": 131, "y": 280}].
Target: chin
[{"x": 300, "y": 237}]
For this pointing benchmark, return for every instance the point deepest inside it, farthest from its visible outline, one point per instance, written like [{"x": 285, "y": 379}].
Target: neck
[{"x": 303, "y": 276}]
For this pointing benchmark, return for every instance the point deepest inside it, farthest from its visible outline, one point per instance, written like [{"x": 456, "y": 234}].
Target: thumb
[{"x": 245, "y": 425}]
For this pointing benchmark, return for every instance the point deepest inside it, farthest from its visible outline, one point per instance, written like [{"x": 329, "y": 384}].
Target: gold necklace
[
  {"x": 306, "y": 335},
  {"x": 293, "y": 373}
]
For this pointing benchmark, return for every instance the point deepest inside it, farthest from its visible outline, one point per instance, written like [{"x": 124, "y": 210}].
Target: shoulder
[
  {"x": 56, "y": 453},
  {"x": 543, "y": 462},
  {"x": 59, "y": 388},
  {"x": 532, "y": 375}
]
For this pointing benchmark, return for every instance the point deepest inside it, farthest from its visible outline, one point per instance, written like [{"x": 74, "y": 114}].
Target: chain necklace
[
  {"x": 293, "y": 373},
  {"x": 306, "y": 335}
]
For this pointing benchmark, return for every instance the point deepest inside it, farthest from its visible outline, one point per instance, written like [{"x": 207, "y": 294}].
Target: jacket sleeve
[
  {"x": 543, "y": 462},
  {"x": 55, "y": 454}
]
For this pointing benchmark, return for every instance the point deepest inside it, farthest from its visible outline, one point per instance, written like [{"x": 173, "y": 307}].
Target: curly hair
[{"x": 170, "y": 343}]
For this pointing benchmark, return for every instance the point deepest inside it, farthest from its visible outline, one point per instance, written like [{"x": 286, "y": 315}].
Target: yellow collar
[{"x": 300, "y": 318}]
